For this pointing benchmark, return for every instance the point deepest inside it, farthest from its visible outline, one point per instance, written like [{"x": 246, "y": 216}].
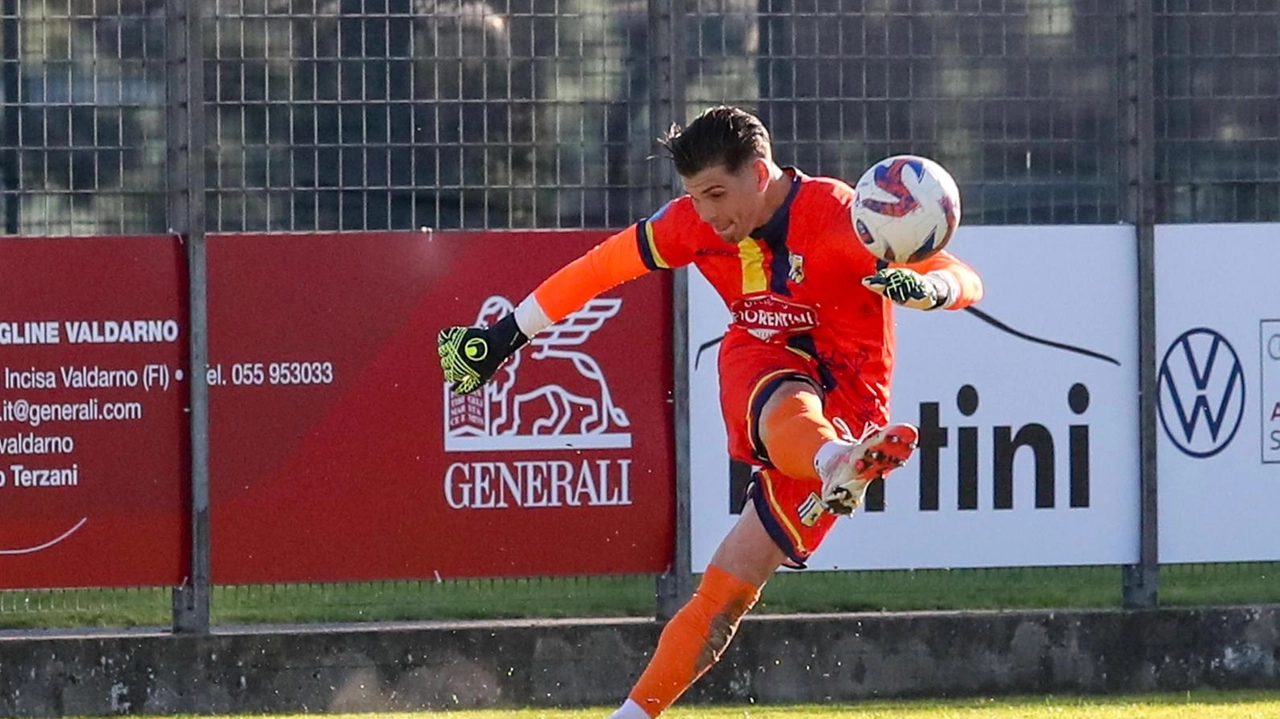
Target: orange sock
[
  {"x": 796, "y": 428},
  {"x": 694, "y": 639}
]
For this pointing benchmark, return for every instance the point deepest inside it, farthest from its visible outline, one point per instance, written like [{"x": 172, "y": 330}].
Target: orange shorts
[{"x": 750, "y": 371}]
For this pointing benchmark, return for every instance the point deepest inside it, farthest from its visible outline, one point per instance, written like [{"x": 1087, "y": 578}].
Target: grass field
[
  {"x": 794, "y": 592},
  {"x": 1201, "y": 705}
]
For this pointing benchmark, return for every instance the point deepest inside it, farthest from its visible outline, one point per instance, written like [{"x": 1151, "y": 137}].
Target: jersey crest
[{"x": 796, "y": 273}]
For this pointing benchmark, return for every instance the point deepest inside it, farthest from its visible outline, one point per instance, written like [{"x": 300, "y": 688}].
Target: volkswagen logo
[{"x": 1201, "y": 392}]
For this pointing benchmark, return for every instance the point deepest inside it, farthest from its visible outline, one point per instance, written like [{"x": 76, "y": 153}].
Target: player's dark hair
[{"x": 721, "y": 135}]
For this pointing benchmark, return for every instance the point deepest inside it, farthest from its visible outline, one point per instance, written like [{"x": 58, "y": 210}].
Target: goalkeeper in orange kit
[{"x": 804, "y": 367}]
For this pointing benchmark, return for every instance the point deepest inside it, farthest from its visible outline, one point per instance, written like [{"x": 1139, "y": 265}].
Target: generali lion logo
[{"x": 550, "y": 395}]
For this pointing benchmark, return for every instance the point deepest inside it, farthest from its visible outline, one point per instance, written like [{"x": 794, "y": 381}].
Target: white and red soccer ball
[{"x": 906, "y": 208}]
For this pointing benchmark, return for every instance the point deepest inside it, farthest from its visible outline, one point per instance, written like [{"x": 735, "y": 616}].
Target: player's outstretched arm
[
  {"x": 940, "y": 282},
  {"x": 471, "y": 356}
]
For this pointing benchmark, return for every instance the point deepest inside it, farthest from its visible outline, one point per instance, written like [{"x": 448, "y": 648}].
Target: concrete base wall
[{"x": 774, "y": 659}]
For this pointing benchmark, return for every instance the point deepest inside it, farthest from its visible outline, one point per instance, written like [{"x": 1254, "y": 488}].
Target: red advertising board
[
  {"x": 337, "y": 453},
  {"x": 93, "y": 440}
]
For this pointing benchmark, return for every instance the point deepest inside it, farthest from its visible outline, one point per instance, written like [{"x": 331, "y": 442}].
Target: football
[{"x": 906, "y": 208}]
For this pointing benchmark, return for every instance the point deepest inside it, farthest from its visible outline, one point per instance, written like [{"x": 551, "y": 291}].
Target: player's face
[{"x": 731, "y": 202}]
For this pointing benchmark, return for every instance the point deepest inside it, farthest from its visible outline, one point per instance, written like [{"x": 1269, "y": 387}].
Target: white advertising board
[
  {"x": 1218, "y": 348},
  {"x": 1028, "y": 412}
]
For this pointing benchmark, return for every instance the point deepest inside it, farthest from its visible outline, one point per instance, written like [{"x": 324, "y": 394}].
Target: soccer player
[{"x": 804, "y": 367}]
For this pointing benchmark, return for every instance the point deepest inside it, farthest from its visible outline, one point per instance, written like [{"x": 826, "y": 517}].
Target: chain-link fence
[
  {"x": 83, "y": 131},
  {"x": 1217, "y": 110},
  {"x": 400, "y": 114},
  {"x": 375, "y": 114},
  {"x": 1020, "y": 99}
]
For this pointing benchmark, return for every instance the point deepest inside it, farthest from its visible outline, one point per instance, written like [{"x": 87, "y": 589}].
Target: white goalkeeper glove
[{"x": 909, "y": 288}]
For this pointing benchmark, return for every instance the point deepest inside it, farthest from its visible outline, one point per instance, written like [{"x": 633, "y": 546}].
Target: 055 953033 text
[{"x": 271, "y": 373}]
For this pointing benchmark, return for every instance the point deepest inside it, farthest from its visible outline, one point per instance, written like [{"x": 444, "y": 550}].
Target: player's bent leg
[
  {"x": 698, "y": 634},
  {"x": 793, "y": 428},
  {"x": 802, "y": 443}
]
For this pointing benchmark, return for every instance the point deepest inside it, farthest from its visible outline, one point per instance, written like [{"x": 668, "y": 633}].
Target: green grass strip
[
  {"x": 1198, "y": 705},
  {"x": 631, "y": 595}
]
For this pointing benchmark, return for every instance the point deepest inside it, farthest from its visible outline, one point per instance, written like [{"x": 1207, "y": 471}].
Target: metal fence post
[
  {"x": 666, "y": 21},
  {"x": 12, "y": 79},
  {"x": 1141, "y": 581},
  {"x": 186, "y": 207}
]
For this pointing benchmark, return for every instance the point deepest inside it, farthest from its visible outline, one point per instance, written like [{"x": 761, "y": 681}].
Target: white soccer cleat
[{"x": 846, "y": 476}]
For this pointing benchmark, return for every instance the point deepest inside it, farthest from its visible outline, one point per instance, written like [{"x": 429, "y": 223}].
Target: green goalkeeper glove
[
  {"x": 909, "y": 288},
  {"x": 470, "y": 356}
]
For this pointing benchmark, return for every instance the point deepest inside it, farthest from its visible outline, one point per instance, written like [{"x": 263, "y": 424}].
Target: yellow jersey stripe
[
  {"x": 780, "y": 513},
  {"x": 800, "y": 353},
  {"x": 751, "y": 402},
  {"x": 653, "y": 247},
  {"x": 752, "y": 257}
]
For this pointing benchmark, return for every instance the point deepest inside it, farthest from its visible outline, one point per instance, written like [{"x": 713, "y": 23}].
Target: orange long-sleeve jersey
[{"x": 796, "y": 280}]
